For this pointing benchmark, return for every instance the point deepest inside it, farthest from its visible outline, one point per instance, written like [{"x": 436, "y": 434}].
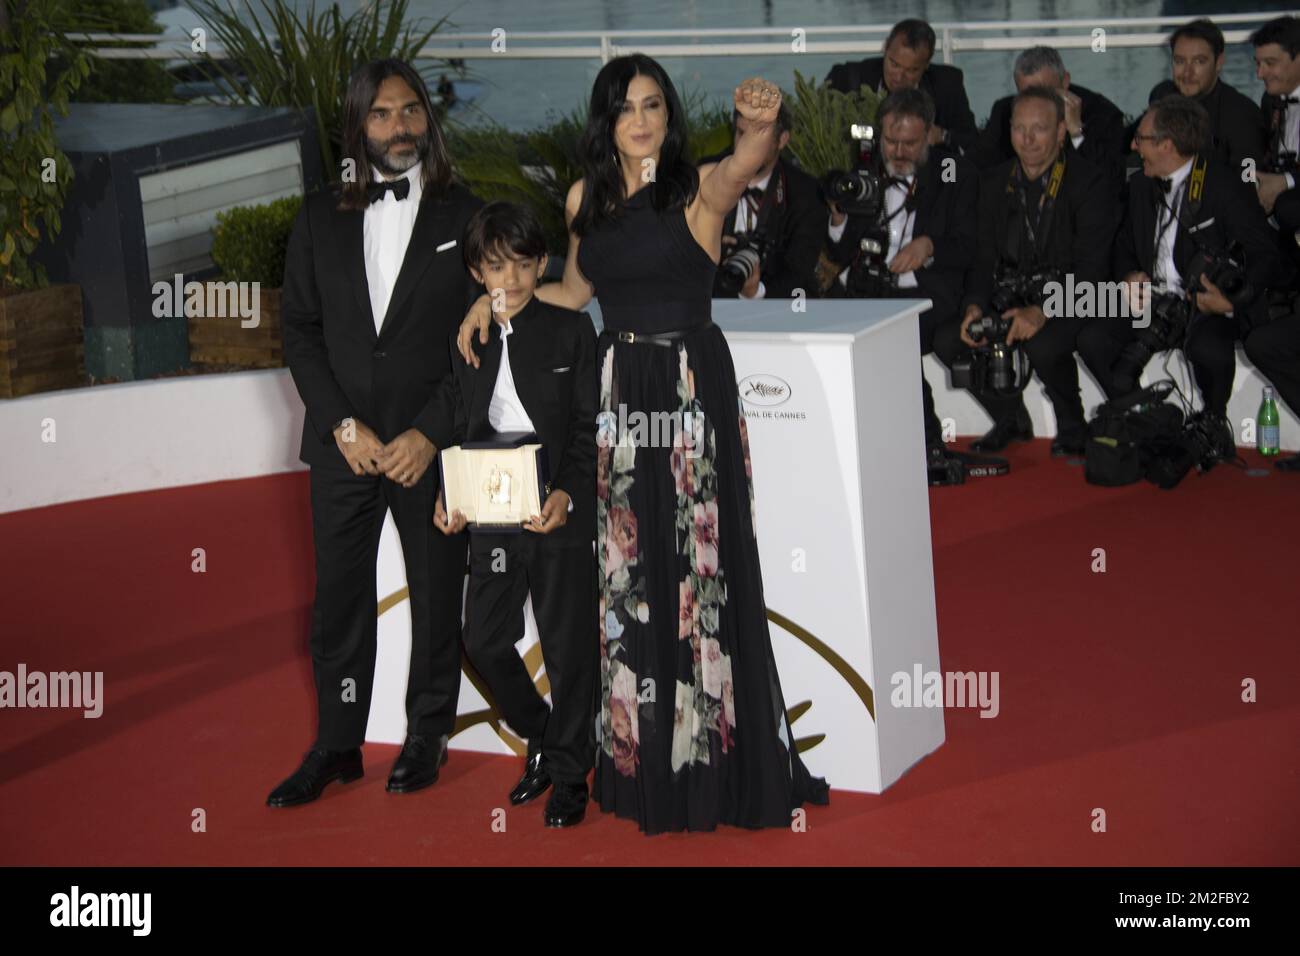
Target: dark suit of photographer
[
  {"x": 1095, "y": 125},
  {"x": 1277, "y": 64},
  {"x": 1206, "y": 208},
  {"x": 909, "y": 50},
  {"x": 932, "y": 231},
  {"x": 1023, "y": 226},
  {"x": 781, "y": 205}
]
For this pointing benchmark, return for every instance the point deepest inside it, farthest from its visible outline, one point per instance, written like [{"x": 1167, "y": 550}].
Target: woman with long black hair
[{"x": 692, "y": 729}]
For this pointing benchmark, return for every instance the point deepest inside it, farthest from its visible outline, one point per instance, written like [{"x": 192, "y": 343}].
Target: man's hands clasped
[{"x": 404, "y": 460}]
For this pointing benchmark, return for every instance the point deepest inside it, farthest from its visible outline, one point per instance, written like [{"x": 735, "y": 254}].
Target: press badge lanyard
[
  {"x": 1046, "y": 206},
  {"x": 1194, "y": 189}
]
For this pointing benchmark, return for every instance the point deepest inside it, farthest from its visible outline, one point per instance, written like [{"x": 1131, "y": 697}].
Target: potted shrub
[
  {"x": 41, "y": 330},
  {"x": 248, "y": 246}
]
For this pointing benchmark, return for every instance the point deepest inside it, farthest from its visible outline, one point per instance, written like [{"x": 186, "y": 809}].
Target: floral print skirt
[{"x": 692, "y": 728}]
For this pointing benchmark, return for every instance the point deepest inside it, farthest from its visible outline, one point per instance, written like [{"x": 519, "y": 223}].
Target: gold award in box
[{"x": 497, "y": 483}]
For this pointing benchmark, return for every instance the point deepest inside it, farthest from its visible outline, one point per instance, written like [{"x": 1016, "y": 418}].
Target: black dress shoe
[
  {"x": 1070, "y": 440},
  {"x": 1288, "y": 464},
  {"x": 318, "y": 768},
  {"x": 567, "y": 805},
  {"x": 1003, "y": 433},
  {"x": 418, "y": 764},
  {"x": 536, "y": 778}
]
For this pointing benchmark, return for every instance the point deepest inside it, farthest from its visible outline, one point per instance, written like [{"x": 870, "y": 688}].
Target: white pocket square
[
  {"x": 1201, "y": 225},
  {"x": 565, "y": 369},
  {"x": 445, "y": 246}
]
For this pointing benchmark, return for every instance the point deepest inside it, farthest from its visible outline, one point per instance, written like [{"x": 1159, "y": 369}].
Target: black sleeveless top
[{"x": 648, "y": 271}]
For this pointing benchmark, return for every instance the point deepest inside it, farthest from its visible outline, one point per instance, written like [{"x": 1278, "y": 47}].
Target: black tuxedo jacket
[
  {"x": 946, "y": 212},
  {"x": 1236, "y": 124},
  {"x": 944, "y": 83},
  {"x": 553, "y": 364},
  {"x": 1229, "y": 207},
  {"x": 1079, "y": 236},
  {"x": 797, "y": 227},
  {"x": 341, "y": 367},
  {"x": 1103, "y": 145}
]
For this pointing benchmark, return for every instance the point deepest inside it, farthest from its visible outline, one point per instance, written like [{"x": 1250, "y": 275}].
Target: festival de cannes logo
[
  {"x": 763, "y": 390},
  {"x": 491, "y": 716}
]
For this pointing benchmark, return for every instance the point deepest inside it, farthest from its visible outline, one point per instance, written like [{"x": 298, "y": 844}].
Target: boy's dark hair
[
  {"x": 1284, "y": 31},
  {"x": 502, "y": 228},
  {"x": 1199, "y": 29}
]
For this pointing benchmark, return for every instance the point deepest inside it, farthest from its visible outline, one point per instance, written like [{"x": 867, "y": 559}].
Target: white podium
[{"x": 833, "y": 411}]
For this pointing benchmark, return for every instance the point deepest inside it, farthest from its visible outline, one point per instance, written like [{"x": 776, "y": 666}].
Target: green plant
[
  {"x": 35, "y": 175},
  {"x": 249, "y": 242},
  {"x": 305, "y": 60},
  {"x": 821, "y": 117},
  {"x": 120, "y": 81}
]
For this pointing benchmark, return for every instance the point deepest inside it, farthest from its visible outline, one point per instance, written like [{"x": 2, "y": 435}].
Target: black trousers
[
  {"x": 561, "y": 575},
  {"x": 931, "y": 320},
  {"x": 347, "y": 517},
  {"x": 1274, "y": 348},
  {"x": 1210, "y": 348},
  {"x": 1051, "y": 355}
]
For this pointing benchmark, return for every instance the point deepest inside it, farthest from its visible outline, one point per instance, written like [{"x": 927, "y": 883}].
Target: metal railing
[{"x": 603, "y": 45}]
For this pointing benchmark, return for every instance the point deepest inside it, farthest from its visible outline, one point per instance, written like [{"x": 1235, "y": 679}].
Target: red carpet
[{"x": 1120, "y": 691}]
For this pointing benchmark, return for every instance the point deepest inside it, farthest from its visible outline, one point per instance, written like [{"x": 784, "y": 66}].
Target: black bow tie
[
  {"x": 1288, "y": 100},
  {"x": 754, "y": 193},
  {"x": 1164, "y": 185},
  {"x": 400, "y": 187}
]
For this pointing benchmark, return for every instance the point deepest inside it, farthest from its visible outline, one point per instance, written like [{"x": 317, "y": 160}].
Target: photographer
[
  {"x": 777, "y": 226},
  {"x": 1095, "y": 125},
  {"x": 925, "y": 226},
  {"x": 1277, "y": 64},
  {"x": 1196, "y": 52},
  {"x": 1184, "y": 213},
  {"x": 906, "y": 65},
  {"x": 1043, "y": 215}
]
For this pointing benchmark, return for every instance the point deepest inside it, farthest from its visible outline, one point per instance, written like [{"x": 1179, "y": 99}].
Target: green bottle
[{"x": 1267, "y": 433}]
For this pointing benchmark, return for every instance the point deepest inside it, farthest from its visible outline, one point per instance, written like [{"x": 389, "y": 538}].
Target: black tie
[
  {"x": 754, "y": 193},
  {"x": 1164, "y": 185},
  {"x": 399, "y": 187}
]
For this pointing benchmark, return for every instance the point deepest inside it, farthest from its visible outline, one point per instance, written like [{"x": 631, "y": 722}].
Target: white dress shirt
[
  {"x": 1167, "y": 230},
  {"x": 1291, "y": 132},
  {"x": 387, "y": 225},
  {"x": 900, "y": 228},
  {"x": 506, "y": 413}
]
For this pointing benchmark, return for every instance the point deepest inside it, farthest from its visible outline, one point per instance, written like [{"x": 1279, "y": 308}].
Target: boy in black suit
[{"x": 537, "y": 374}]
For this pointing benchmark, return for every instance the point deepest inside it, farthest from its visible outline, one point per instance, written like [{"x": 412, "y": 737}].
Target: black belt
[{"x": 666, "y": 339}]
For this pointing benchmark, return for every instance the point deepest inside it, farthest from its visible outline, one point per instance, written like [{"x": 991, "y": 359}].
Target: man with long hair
[{"x": 374, "y": 284}]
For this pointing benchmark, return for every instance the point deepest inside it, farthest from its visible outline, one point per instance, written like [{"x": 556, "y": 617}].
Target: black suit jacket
[
  {"x": 797, "y": 226},
  {"x": 944, "y": 83},
  {"x": 341, "y": 367},
  {"x": 1236, "y": 124},
  {"x": 1272, "y": 113},
  {"x": 1104, "y": 143},
  {"x": 1230, "y": 208},
  {"x": 1078, "y": 239},
  {"x": 553, "y": 364},
  {"x": 946, "y": 212}
]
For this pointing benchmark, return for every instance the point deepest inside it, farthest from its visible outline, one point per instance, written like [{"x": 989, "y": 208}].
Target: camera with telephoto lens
[
  {"x": 1171, "y": 313},
  {"x": 745, "y": 258},
  {"x": 860, "y": 191},
  {"x": 994, "y": 366}
]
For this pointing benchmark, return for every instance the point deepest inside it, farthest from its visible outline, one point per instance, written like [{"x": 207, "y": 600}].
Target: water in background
[{"x": 521, "y": 93}]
